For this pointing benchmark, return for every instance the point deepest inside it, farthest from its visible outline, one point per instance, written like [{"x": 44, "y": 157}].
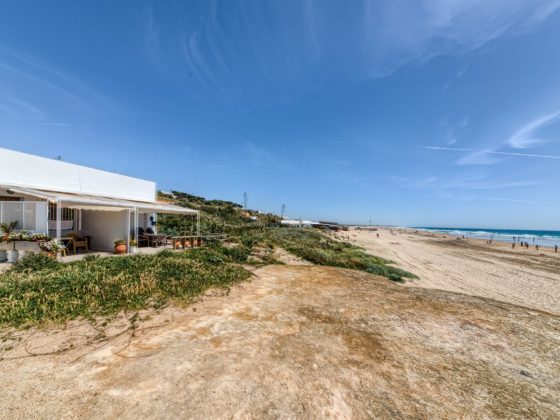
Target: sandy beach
[
  {"x": 524, "y": 277},
  {"x": 297, "y": 341}
]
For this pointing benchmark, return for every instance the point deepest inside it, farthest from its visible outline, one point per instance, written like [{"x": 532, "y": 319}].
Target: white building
[
  {"x": 59, "y": 198},
  {"x": 297, "y": 223}
]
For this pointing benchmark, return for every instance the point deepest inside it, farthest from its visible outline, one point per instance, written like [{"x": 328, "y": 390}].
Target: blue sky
[{"x": 428, "y": 112}]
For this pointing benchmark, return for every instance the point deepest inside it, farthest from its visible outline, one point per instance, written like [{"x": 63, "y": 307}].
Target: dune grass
[
  {"x": 39, "y": 289},
  {"x": 317, "y": 248}
]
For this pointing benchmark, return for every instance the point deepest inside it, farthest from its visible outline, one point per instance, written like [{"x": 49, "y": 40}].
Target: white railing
[{"x": 31, "y": 216}]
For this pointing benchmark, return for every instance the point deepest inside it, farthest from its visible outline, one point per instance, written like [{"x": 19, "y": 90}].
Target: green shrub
[
  {"x": 103, "y": 286},
  {"x": 35, "y": 262},
  {"x": 238, "y": 253},
  {"x": 315, "y": 247}
]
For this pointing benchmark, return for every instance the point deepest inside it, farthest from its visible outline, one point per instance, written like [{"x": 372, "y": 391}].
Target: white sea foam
[{"x": 535, "y": 238}]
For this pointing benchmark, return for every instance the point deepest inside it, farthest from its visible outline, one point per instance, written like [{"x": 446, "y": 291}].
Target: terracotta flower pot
[
  {"x": 120, "y": 249},
  {"x": 178, "y": 244}
]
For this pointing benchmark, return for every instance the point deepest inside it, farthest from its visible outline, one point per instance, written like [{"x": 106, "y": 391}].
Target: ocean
[{"x": 540, "y": 237}]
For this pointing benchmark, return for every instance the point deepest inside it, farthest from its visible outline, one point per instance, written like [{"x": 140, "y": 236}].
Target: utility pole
[
  {"x": 283, "y": 208},
  {"x": 245, "y": 200}
]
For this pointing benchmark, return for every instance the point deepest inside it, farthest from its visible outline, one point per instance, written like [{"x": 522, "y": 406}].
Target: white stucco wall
[
  {"x": 25, "y": 170},
  {"x": 104, "y": 227}
]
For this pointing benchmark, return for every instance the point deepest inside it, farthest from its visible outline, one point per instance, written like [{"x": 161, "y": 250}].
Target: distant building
[{"x": 297, "y": 223}]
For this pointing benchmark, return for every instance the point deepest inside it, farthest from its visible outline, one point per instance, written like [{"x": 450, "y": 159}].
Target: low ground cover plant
[
  {"x": 39, "y": 288},
  {"x": 310, "y": 244},
  {"x": 317, "y": 248}
]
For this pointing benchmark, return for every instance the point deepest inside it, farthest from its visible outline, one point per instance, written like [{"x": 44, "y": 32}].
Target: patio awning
[{"x": 99, "y": 203}]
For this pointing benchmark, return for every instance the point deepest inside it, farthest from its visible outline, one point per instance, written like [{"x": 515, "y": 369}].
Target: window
[
  {"x": 66, "y": 214},
  {"x": 29, "y": 215}
]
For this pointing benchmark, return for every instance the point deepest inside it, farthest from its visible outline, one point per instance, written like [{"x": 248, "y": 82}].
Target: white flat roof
[{"x": 30, "y": 171}]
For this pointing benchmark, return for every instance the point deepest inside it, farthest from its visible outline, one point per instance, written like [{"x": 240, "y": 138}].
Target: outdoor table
[{"x": 154, "y": 238}]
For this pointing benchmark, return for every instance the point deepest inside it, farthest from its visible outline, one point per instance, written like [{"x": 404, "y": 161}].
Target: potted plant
[
  {"x": 50, "y": 247},
  {"x": 133, "y": 246},
  {"x": 120, "y": 246},
  {"x": 3, "y": 252},
  {"x": 7, "y": 229}
]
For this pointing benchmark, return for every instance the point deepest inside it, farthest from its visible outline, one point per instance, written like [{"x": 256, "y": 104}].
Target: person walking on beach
[{"x": 555, "y": 248}]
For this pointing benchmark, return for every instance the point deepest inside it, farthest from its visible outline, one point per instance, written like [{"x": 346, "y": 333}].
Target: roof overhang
[{"x": 100, "y": 203}]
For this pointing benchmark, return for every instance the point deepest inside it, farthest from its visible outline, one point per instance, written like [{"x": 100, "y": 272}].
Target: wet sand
[{"x": 524, "y": 277}]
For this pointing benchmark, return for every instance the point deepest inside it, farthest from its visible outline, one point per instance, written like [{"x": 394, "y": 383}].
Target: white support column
[
  {"x": 58, "y": 220},
  {"x": 197, "y": 223},
  {"x": 136, "y": 226},
  {"x": 128, "y": 231},
  {"x": 47, "y": 218}
]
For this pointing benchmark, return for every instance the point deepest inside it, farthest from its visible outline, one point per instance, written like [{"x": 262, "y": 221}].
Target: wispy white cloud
[
  {"x": 526, "y": 136},
  {"x": 40, "y": 89},
  {"x": 482, "y": 152},
  {"x": 359, "y": 142},
  {"x": 18, "y": 107},
  {"x": 510, "y": 200},
  {"x": 478, "y": 157},
  {"x": 277, "y": 50},
  {"x": 463, "y": 183},
  {"x": 258, "y": 155},
  {"x": 63, "y": 124},
  {"x": 453, "y": 130}
]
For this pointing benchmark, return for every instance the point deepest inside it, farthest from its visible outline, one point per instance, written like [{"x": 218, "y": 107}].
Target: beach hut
[{"x": 64, "y": 200}]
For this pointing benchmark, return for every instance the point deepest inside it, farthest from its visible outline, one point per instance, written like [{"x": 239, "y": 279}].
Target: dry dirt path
[{"x": 301, "y": 342}]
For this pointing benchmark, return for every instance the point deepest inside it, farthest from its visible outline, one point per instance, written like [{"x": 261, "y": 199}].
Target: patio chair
[
  {"x": 142, "y": 239},
  {"x": 79, "y": 242}
]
